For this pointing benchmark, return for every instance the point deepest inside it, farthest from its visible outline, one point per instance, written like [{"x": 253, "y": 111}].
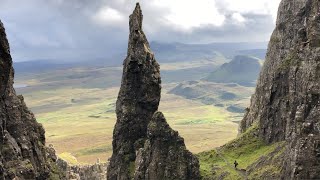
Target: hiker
[{"x": 235, "y": 164}]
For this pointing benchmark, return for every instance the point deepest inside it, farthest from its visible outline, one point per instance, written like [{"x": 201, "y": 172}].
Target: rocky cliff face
[
  {"x": 23, "y": 154},
  {"x": 164, "y": 155},
  {"x": 137, "y": 102},
  {"x": 286, "y": 103}
]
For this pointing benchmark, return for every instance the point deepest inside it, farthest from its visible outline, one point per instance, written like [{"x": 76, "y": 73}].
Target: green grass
[
  {"x": 270, "y": 169},
  {"x": 93, "y": 150},
  {"x": 246, "y": 150},
  {"x": 68, "y": 157}
]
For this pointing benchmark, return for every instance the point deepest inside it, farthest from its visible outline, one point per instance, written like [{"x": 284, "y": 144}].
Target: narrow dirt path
[{"x": 239, "y": 171}]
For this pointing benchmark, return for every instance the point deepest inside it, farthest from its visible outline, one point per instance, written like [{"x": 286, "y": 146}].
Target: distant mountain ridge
[
  {"x": 179, "y": 51},
  {"x": 243, "y": 70},
  {"x": 167, "y": 53}
]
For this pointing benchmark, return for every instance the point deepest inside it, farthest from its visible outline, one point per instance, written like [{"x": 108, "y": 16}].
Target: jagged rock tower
[
  {"x": 286, "y": 103},
  {"x": 137, "y": 102},
  {"x": 138, "y": 99},
  {"x": 23, "y": 154}
]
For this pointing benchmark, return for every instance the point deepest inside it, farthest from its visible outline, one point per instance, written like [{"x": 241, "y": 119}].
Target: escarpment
[
  {"x": 137, "y": 103},
  {"x": 23, "y": 154},
  {"x": 286, "y": 104}
]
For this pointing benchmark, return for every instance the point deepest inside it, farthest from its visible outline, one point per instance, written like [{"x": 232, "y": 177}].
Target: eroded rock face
[
  {"x": 138, "y": 99},
  {"x": 145, "y": 147},
  {"x": 23, "y": 154},
  {"x": 287, "y": 99},
  {"x": 164, "y": 155}
]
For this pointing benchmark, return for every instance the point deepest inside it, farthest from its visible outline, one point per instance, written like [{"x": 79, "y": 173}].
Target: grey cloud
[{"x": 65, "y": 29}]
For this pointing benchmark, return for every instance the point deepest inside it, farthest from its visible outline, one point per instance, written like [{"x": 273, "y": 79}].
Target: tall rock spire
[
  {"x": 138, "y": 100},
  {"x": 144, "y": 145},
  {"x": 23, "y": 154},
  {"x": 286, "y": 103}
]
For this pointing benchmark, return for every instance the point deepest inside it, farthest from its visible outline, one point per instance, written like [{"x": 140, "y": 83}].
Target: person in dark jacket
[{"x": 235, "y": 164}]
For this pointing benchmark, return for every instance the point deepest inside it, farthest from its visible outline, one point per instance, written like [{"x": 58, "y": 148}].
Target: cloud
[
  {"x": 74, "y": 29},
  {"x": 238, "y": 18},
  {"x": 186, "y": 15},
  {"x": 110, "y": 16}
]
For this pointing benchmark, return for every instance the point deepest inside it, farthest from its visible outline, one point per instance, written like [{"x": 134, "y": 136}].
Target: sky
[{"x": 70, "y": 30}]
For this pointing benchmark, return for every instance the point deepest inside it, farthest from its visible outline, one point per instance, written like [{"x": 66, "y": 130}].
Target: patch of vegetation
[
  {"x": 228, "y": 96},
  {"x": 94, "y": 116},
  {"x": 268, "y": 169},
  {"x": 235, "y": 109},
  {"x": 132, "y": 168},
  {"x": 68, "y": 157},
  {"x": 55, "y": 172},
  {"x": 197, "y": 121},
  {"x": 246, "y": 150},
  {"x": 94, "y": 150},
  {"x": 291, "y": 60},
  {"x": 208, "y": 100}
]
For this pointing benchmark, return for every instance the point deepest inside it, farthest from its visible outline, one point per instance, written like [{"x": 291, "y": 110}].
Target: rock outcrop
[
  {"x": 286, "y": 103},
  {"x": 96, "y": 171},
  {"x": 164, "y": 155},
  {"x": 137, "y": 102},
  {"x": 23, "y": 154}
]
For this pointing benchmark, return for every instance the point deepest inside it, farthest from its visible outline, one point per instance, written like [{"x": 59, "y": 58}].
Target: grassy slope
[{"x": 247, "y": 149}]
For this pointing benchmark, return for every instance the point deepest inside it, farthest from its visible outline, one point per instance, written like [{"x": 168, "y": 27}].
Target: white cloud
[
  {"x": 108, "y": 15},
  {"x": 187, "y": 14},
  {"x": 238, "y": 18}
]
